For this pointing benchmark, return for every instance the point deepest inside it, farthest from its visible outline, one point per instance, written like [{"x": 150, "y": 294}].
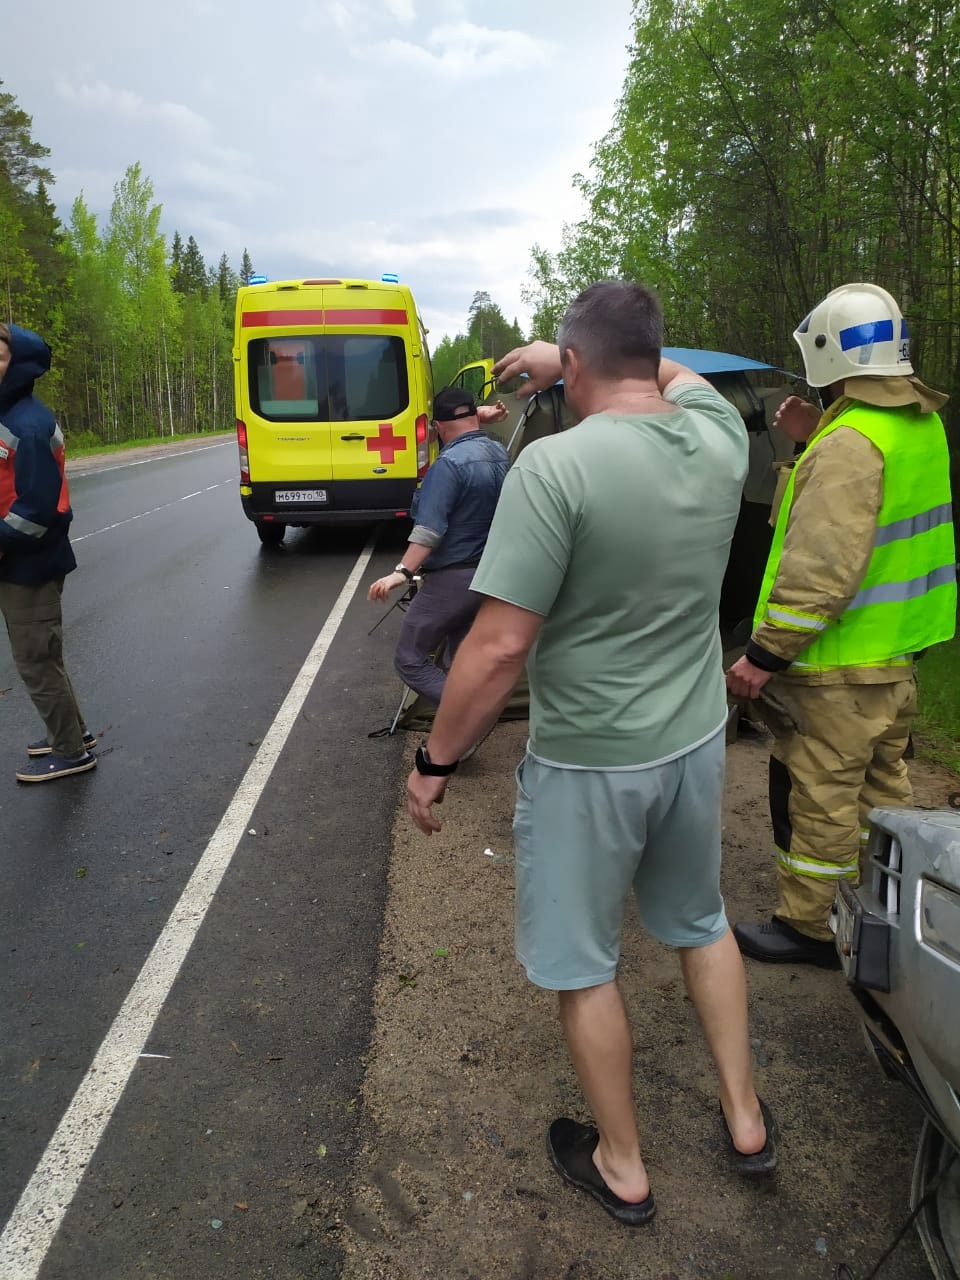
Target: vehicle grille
[{"x": 885, "y": 857}]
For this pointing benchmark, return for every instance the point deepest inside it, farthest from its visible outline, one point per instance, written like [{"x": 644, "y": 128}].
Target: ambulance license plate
[{"x": 300, "y": 495}]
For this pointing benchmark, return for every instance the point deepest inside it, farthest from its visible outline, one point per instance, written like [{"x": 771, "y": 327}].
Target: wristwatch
[
  {"x": 423, "y": 764},
  {"x": 407, "y": 573}
]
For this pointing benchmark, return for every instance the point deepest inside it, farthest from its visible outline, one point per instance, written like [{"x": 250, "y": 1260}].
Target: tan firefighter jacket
[{"x": 830, "y": 536}]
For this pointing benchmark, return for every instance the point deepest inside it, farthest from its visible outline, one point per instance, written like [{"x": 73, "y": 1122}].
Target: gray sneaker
[{"x": 51, "y": 767}]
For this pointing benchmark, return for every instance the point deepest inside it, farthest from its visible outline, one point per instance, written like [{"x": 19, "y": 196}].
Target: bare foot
[
  {"x": 747, "y": 1130},
  {"x": 633, "y": 1186}
]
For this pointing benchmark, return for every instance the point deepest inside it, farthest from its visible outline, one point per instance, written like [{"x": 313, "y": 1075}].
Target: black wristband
[
  {"x": 407, "y": 573},
  {"x": 423, "y": 764},
  {"x": 764, "y": 659}
]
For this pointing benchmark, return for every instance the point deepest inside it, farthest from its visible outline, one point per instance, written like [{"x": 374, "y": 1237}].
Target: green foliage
[
  {"x": 759, "y": 157},
  {"x": 85, "y": 442},
  {"x": 488, "y": 335},
  {"x": 450, "y": 355},
  {"x": 492, "y": 336},
  {"x": 938, "y": 721},
  {"x": 141, "y": 337},
  {"x": 19, "y": 154}
]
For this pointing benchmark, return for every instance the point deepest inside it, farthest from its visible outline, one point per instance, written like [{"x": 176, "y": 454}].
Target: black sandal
[
  {"x": 570, "y": 1146},
  {"x": 759, "y": 1164}
]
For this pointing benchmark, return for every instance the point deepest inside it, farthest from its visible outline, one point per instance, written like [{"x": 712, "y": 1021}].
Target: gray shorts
[{"x": 584, "y": 837}]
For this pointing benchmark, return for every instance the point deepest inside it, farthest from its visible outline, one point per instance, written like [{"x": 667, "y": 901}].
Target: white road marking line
[
  {"x": 142, "y": 462},
  {"x": 40, "y": 1210},
  {"x": 153, "y": 510}
]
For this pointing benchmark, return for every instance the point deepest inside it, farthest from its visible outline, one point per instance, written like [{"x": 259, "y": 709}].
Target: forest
[
  {"x": 761, "y": 155},
  {"x": 142, "y": 332}
]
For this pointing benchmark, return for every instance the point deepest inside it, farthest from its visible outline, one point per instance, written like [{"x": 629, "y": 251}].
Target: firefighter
[{"x": 861, "y": 577}]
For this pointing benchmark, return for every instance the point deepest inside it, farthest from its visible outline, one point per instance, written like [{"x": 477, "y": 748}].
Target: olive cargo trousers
[
  {"x": 838, "y": 752},
  {"x": 35, "y": 627},
  {"x": 440, "y": 614}
]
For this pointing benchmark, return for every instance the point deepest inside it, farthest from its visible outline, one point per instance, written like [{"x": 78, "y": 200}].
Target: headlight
[{"x": 940, "y": 919}]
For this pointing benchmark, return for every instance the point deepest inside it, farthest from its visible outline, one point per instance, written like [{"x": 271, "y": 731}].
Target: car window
[{"x": 328, "y": 377}]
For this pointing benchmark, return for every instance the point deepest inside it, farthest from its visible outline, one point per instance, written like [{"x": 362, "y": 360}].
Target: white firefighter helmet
[{"x": 856, "y": 331}]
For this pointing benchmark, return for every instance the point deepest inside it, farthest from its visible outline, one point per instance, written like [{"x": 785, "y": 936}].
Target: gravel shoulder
[
  {"x": 467, "y": 1068},
  {"x": 118, "y": 457}
]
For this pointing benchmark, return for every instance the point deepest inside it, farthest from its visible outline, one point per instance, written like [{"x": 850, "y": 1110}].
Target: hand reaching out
[
  {"x": 492, "y": 412},
  {"x": 797, "y": 419},
  {"x": 539, "y": 360},
  {"x": 380, "y": 589}
]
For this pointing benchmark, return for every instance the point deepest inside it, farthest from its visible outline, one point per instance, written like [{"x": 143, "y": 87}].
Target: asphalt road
[{"x": 183, "y": 638}]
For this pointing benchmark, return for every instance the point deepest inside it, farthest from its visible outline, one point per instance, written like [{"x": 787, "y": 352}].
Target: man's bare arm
[
  {"x": 484, "y": 674},
  {"x": 672, "y": 374}
]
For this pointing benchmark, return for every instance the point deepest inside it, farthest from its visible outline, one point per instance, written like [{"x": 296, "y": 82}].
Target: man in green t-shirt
[{"x": 602, "y": 572}]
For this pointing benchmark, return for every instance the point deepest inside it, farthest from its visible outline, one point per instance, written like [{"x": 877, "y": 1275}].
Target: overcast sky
[{"x": 434, "y": 138}]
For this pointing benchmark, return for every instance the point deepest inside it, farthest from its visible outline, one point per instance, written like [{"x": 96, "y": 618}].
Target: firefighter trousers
[{"x": 838, "y": 751}]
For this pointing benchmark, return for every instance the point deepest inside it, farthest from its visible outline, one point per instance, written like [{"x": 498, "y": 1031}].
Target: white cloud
[
  {"x": 402, "y": 10},
  {"x": 191, "y": 154},
  {"x": 102, "y": 98},
  {"x": 463, "y": 51},
  {"x": 323, "y": 152},
  {"x": 238, "y": 184},
  {"x": 333, "y": 13},
  {"x": 356, "y": 17}
]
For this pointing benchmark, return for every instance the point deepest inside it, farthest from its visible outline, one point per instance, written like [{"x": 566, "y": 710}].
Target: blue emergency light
[
  {"x": 389, "y": 277},
  {"x": 257, "y": 280}
]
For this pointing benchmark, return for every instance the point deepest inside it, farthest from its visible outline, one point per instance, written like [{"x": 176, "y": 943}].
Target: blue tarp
[{"x": 706, "y": 362}]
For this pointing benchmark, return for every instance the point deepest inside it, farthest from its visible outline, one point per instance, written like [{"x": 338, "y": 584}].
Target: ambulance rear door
[
  {"x": 284, "y": 361},
  {"x": 377, "y": 424}
]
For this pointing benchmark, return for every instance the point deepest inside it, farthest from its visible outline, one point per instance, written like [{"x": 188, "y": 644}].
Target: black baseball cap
[{"x": 452, "y": 403}]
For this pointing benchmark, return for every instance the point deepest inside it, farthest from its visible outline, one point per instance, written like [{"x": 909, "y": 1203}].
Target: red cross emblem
[{"x": 386, "y": 444}]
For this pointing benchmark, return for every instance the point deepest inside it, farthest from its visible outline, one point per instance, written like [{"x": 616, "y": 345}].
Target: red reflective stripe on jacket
[
  {"x": 8, "y": 488},
  {"x": 63, "y": 502}
]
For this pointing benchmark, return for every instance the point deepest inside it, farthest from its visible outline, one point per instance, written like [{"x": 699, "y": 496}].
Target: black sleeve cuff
[{"x": 764, "y": 659}]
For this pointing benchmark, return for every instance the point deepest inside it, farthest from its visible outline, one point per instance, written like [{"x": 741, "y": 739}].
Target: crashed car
[
  {"x": 756, "y": 390},
  {"x": 898, "y": 938}
]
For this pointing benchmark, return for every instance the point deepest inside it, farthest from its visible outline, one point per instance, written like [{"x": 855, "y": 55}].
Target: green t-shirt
[{"x": 617, "y": 532}]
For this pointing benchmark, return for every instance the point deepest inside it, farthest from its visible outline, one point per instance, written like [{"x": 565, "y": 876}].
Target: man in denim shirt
[{"x": 451, "y": 512}]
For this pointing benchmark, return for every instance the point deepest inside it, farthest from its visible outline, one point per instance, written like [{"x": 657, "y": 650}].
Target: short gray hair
[{"x": 616, "y": 328}]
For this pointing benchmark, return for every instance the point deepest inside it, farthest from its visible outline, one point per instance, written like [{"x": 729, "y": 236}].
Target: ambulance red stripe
[
  {"x": 285, "y": 319},
  {"x": 367, "y": 315},
  {"x": 280, "y": 319}
]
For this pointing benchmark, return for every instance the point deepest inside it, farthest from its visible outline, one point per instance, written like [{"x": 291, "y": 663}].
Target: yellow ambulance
[{"x": 334, "y": 399}]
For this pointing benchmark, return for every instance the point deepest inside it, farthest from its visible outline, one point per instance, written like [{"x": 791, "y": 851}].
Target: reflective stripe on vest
[
  {"x": 908, "y": 597},
  {"x": 816, "y": 869}
]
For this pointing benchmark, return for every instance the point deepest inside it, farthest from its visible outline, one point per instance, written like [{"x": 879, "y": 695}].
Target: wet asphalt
[{"x": 182, "y": 638}]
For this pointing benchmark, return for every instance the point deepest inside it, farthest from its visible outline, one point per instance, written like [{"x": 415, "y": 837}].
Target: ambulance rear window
[{"x": 328, "y": 377}]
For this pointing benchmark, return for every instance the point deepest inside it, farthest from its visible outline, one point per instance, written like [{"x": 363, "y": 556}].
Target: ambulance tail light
[
  {"x": 423, "y": 445},
  {"x": 244, "y": 456}
]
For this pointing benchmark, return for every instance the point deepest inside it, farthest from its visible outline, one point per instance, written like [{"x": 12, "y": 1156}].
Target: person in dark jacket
[
  {"x": 451, "y": 515},
  {"x": 36, "y": 556}
]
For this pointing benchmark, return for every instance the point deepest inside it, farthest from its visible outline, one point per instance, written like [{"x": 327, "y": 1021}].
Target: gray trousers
[
  {"x": 440, "y": 614},
  {"x": 35, "y": 627}
]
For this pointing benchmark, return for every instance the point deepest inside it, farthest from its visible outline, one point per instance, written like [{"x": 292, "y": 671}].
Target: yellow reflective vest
[{"x": 907, "y": 599}]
